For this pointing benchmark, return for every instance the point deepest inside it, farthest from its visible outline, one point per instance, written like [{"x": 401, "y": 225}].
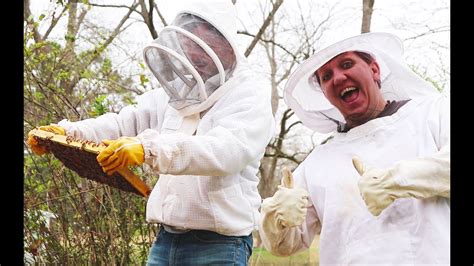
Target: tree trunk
[{"x": 367, "y": 8}]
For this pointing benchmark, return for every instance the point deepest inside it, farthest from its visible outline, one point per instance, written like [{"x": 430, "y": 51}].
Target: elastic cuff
[
  {"x": 146, "y": 147},
  {"x": 68, "y": 127}
]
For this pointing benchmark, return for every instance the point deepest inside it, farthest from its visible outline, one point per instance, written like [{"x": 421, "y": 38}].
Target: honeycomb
[{"x": 80, "y": 156}]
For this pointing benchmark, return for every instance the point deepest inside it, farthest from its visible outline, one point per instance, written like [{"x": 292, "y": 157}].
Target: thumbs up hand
[
  {"x": 288, "y": 205},
  {"x": 376, "y": 185},
  {"x": 420, "y": 178},
  {"x": 287, "y": 179}
]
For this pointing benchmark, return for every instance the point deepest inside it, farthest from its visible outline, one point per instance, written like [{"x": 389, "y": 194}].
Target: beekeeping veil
[
  {"x": 195, "y": 55},
  {"x": 304, "y": 96}
]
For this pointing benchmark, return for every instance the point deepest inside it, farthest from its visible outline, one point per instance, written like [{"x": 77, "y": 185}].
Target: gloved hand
[
  {"x": 54, "y": 129},
  {"x": 420, "y": 178},
  {"x": 121, "y": 153},
  {"x": 35, "y": 146},
  {"x": 281, "y": 216},
  {"x": 288, "y": 206},
  {"x": 376, "y": 186}
]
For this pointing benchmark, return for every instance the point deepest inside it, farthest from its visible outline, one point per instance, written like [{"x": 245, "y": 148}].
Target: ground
[{"x": 261, "y": 257}]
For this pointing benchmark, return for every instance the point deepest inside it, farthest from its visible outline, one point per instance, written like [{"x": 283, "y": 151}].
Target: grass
[{"x": 261, "y": 257}]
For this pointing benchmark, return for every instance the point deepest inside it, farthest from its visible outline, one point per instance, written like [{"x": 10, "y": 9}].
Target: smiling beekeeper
[{"x": 378, "y": 192}]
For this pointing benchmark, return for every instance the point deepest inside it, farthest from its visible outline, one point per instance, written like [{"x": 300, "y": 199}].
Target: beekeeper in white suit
[
  {"x": 378, "y": 192},
  {"x": 204, "y": 132}
]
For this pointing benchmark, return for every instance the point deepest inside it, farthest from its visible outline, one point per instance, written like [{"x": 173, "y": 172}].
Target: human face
[
  {"x": 200, "y": 59},
  {"x": 350, "y": 84}
]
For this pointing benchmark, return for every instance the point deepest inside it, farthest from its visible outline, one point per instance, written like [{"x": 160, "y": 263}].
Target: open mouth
[{"x": 349, "y": 94}]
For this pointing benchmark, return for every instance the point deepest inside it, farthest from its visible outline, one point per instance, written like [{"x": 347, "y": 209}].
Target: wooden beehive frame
[{"x": 80, "y": 156}]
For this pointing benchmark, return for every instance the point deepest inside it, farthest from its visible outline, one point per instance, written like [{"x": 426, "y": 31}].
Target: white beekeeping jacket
[
  {"x": 212, "y": 182},
  {"x": 410, "y": 231},
  {"x": 208, "y": 180}
]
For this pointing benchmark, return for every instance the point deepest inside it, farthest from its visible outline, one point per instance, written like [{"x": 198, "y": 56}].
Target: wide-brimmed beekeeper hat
[{"x": 304, "y": 96}]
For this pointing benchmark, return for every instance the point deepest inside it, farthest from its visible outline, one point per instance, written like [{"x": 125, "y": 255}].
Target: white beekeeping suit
[
  {"x": 412, "y": 144},
  {"x": 204, "y": 131}
]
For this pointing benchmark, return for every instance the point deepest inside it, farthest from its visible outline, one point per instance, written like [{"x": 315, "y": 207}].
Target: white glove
[
  {"x": 283, "y": 216},
  {"x": 288, "y": 206},
  {"x": 421, "y": 178}
]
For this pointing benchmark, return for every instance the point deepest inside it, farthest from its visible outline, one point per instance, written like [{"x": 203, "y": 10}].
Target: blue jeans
[{"x": 198, "y": 247}]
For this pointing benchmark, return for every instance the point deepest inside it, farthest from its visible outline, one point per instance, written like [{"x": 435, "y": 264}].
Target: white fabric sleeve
[
  {"x": 242, "y": 126},
  {"x": 425, "y": 177},
  {"x": 284, "y": 241},
  {"x": 130, "y": 121},
  {"x": 429, "y": 176}
]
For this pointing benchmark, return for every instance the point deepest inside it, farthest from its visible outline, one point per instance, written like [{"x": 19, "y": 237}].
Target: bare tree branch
[
  {"x": 265, "y": 24},
  {"x": 81, "y": 17},
  {"x": 283, "y": 155},
  {"x": 54, "y": 21},
  {"x": 119, "y": 6},
  {"x": 117, "y": 29},
  {"x": 148, "y": 17},
  {"x": 269, "y": 41},
  {"x": 430, "y": 31},
  {"x": 98, "y": 50},
  {"x": 160, "y": 15}
]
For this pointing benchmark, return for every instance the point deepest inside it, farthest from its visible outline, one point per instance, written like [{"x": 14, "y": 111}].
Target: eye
[
  {"x": 347, "y": 64},
  {"x": 326, "y": 76}
]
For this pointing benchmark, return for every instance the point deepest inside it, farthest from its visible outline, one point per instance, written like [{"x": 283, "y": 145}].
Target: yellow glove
[
  {"x": 121, "y": 153},
  {"x": 288, "y": 206},
  {"x": 35, "y": 146},
  {"x": 420, "y": 178},
  {"x": 54, "y": 129}
]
